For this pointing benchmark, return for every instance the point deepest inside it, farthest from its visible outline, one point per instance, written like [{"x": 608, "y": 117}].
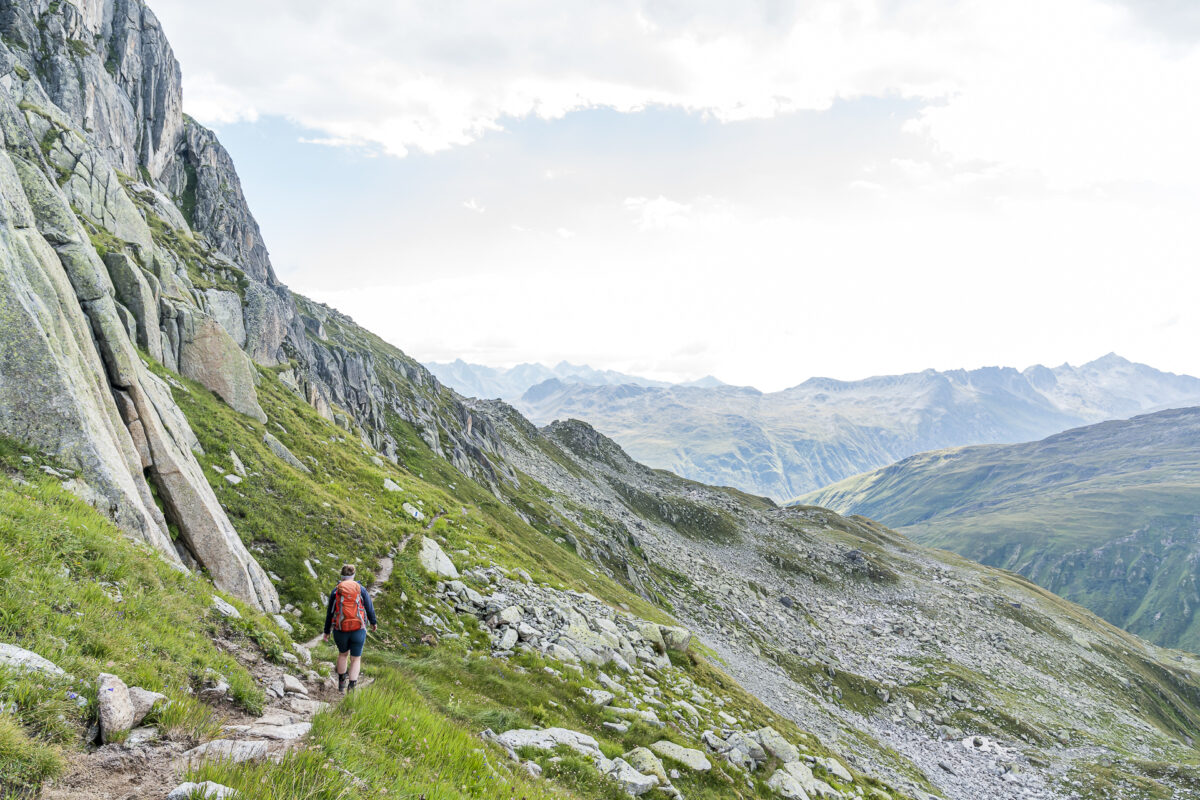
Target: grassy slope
[
  {"x": 1104, "y": 515},
  {"x": 76, "y": 591},
  {"x": 415, "y": 731}
]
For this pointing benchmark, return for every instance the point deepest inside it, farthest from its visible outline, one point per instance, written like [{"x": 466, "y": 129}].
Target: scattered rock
[
  {"x": 142, "y": 701},
  {"x": 225, "y": 609},
  {"x": 391, "y": 485},
  {"x": 786, "y": 786},
  {"x": 283, "y": 454},
  {"x": 140, "y": 737},
  {"x": 435, "y": 561},
  {"x": 208, "y": 790},
  {"x": 15, "y": 657},
  {"x": 116, "y": 707},
  {"x": 292, "y": 684},
  {"x": 280, "y": 733},
  {"x": 692, "y": 759},
  {"x": 549, "y": 739},
  {"x": 776, "y": 745},
  {"x": 629, "y": 779},
  {"x": 226, "y": 750},
  {"x": 676, "y": 638},
  {"x": 646, "y": 762}
]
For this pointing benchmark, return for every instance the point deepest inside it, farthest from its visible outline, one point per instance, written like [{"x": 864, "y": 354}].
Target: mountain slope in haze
[
  {"x": 477, "y": 380},
  {"x": 237, "y": 436},
  {"x": 783, "y": 444},
  {"x": 509, "y": 384},
  {"x": 1106, "y": 515}
]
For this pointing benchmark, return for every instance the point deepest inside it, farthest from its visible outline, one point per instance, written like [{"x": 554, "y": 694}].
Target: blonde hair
[{"x": 347, "y": 570}]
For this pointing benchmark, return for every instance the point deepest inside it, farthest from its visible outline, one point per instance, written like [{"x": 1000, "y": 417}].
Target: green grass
[
  {"x": 25, "y": 762},
  {"x": 385, "y": 735},
  {"x": 385, "y": 740},
  {"x": 76, "y": 591},
  {"x": 1103, "y": 515}
]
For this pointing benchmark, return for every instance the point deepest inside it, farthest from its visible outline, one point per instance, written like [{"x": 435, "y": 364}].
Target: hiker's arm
[
  {"x": 366, "y": 596},
  {"x": 329, "y": 613}
]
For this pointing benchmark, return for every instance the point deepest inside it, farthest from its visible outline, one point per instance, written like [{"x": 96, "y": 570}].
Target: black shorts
[{"x": 350, "y": 640}]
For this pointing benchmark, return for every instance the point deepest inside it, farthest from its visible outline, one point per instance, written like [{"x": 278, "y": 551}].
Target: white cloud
[
  {"x": 659, "y": 213},
  {"x": 1080, "y": 91},
  {"x": 973, "y": 182}
]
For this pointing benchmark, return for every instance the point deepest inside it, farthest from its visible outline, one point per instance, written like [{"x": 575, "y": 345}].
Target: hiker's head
[{"x": 347, "y": 570}]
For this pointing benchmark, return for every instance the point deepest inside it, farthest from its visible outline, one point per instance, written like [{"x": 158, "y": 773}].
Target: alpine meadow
[{"x": 217, "y": 493}]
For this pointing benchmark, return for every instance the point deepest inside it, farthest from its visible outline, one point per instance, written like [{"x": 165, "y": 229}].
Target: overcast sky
[{"x": 764, "y": 191}]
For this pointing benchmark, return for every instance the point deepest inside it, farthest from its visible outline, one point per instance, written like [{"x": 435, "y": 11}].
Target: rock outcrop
[{"x": 95, "y": 265}]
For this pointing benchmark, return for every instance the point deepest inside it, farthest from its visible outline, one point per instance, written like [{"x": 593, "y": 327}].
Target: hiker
[{"x": 349, "y": 609}]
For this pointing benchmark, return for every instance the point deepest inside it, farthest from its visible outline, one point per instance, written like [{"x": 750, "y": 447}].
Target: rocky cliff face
[
  {"x": 98, "y": 261},
  {"x": 126, "y": 230}
]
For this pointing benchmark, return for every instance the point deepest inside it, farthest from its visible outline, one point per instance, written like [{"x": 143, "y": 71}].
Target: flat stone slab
[
  {"x": 226, "y": 750},
  {"x": 209, "y": 789},
  {"x": 692, "y": 759},
  {"x": 280, "y": 733},
  {"x": 549, "y": 739}
]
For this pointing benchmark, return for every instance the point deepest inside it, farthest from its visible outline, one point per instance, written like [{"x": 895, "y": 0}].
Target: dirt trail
[
  {"x": 383, "y": 572},
  {"x": 151, "y": 771}
]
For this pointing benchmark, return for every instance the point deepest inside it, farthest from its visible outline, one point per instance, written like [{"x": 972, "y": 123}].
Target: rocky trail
[{"x": 149, "y": 766}]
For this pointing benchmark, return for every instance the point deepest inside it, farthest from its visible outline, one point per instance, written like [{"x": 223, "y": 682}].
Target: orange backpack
[{"x": 348, "y": 606}]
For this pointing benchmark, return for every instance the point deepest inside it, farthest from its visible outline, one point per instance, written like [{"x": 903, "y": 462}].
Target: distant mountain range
[
  {"x": 477, "y": 380},
  {"x": 1106, "y": 515},
  {"x": 783, "y": 444}
]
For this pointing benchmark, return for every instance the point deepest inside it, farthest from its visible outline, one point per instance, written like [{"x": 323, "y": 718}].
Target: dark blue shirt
[{"x": 366, "y": 601}]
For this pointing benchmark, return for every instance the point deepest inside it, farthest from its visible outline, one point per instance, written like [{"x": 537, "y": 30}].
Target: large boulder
[
  {"x": 692, "y": 759},
  {"x": 811, "y": 785},
  {"x": 646, "y": 762},
  {"x": 142, "y": 701},
  {"x": 786, "y": 786},
  {"x": 209, "y": 355},
  {"x": 776, "y": 745},
  {"x": 549, "y": 739},
  {"x": 435, "y": 561},
  {"x": 629, "y": 779},
  {"x": 19, "y": 658},
  {"x": 675, "y": 638},
  {"x": 116, "y": 706}
]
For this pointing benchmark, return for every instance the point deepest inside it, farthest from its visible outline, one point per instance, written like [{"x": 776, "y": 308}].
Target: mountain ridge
[
  {"x": 1103, "y": 514},
  {"x": 781, "y": 444}
]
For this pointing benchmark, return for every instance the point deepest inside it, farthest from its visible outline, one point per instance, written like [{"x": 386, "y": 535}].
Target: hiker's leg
[
  {"x": 341, "y": 664},
  {"x": 357, "y": 640}
]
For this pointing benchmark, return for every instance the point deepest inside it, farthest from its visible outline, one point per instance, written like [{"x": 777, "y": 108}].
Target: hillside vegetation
[
  {"x": 1107, "y": 515},
  {"x": 191, "y": 451}
]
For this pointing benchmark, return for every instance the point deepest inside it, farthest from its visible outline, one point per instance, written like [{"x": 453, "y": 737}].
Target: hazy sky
[{"x": 764, "y": 191}]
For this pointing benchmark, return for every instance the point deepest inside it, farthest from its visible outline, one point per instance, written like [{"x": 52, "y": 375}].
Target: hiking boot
[
  {"x": 352, "y": 686},
  {"x": 342, "y": 681}
]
